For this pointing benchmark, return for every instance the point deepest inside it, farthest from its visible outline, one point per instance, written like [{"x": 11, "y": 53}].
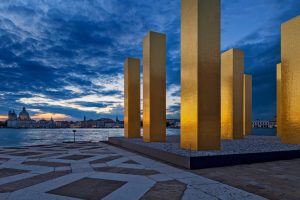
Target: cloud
[
  {"x": 173, "y": 101},
  {"x": 73, "y": 89},
  {"x": 67, "y": 56},
  {"x": 42, "y": 100},
  {"x": 54, "y": 116}
]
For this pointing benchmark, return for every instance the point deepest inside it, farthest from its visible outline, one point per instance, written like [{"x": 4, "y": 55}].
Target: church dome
[{"x": 24, "y": 116}]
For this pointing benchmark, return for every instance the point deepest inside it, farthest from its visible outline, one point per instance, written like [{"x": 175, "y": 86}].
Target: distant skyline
[
  {"x": 65, "y": 58},
  {"x": 50, "y": 116}
]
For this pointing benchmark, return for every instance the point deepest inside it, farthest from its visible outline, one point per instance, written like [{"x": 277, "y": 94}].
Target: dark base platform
[{"x": 200, "y": 160}]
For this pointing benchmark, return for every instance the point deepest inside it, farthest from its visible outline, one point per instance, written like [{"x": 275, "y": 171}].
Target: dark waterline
[{"x": 26, "y": 137}]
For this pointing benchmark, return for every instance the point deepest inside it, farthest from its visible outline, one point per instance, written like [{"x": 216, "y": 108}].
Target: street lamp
[{"x": 74, "y": 131}]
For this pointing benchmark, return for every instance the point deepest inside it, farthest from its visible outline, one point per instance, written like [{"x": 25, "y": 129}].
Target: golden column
[
  {"x": 278, "y": 86},
  {"x": 132, "y": 114},
  {"x": 290, "y": 79},
  {"x": 200, "y": 74},
  {"x": 154, "y": 87},
  {"x": 232, "y": 75},
  {"x": 247, "y": 104}
]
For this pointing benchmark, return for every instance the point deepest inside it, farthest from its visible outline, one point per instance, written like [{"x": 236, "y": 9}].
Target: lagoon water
[{"x": 25, "y": 137}]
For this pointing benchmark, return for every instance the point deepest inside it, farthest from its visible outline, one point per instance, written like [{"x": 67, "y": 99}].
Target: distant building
[
  {"x": 119, "y": 124},
  {"x": 264, "y": 123},
  {"x": 45, "y": 124},
  {"x": 105, "y": 123},
  {"x": 75, "y": 124},
  {"x": 84, "y": 123},
  {"x": 62, "y": 124},
  {"x": 102, "y": 123},
  {"x": 24, "y": 121}
]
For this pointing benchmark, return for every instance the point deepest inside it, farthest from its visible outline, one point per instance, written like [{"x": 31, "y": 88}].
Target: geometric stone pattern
[{"x": 119, "y": 175}]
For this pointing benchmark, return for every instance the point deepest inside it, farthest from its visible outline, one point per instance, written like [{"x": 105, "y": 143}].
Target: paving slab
[
  {"x": 88, "y": 188},
  {"x": 45, "y": 163},
  {"x": 76, "y": 157},
  {"x": 122, "y": 170},
  {"x": 17, "y": 185},
  {"x": 166, "y": 190},
  {"x": 5, "y": 172}
]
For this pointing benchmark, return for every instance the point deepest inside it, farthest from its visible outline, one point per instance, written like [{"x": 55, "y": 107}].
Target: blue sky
[{"x": 64, "y": 58}]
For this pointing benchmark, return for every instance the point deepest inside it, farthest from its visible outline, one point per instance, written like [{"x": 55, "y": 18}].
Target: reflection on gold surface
[
  {"x": 200, "y": 74},
  {"x": 278, "y": 86},
  {"x": 290, "y": 77},
  {"x": 232, "y": 75},
  {"x": 154, "y": 87},
  {"x": 132, "y": 98},
  {"x": 247, "y": 104}
]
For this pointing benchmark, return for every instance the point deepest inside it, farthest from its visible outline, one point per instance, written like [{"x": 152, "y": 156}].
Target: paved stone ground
[
  {"x": 273, "y": 180},
  {"x": 100, "y": 171}
]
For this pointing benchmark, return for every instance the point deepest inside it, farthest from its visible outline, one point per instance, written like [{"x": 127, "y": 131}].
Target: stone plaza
[{"x": 100, "y": 171}]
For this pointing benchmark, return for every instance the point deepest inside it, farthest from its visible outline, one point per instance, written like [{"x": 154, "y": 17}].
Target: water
[
  {"x": 25, "y": 137},
  {"x": 264, "y": 131}
]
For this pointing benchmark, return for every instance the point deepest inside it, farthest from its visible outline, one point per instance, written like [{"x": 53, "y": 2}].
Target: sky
[{"x": 64, "y": 58}]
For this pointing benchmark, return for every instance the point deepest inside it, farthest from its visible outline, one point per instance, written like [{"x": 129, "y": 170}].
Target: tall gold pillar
[
  {"x": 278, "y": 89},
  {"x": 232, "y": 75},
  {"x": 200, "y": 74},
  {"x": 247, "y": 104},
  {"x": 290, "y": 77},
  {"x": 154, "y": 87},
  {"x": 132, "y": 115}
]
